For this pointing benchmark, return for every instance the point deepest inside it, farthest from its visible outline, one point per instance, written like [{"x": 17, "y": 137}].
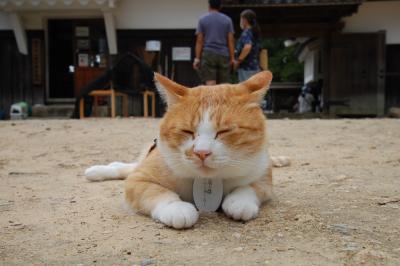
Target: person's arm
[
  {"x": 245, "y": 52},
  {"x": 198, "y": 50},
  {"x": 246, "y": 39},
  {"x": 231, "y": 46}
]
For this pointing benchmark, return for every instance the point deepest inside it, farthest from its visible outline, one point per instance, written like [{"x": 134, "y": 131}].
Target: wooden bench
[
  {"x": 113, "y": 94},
  {"x": 101, "y": 93},
  {"x": 146, "y": 95}
]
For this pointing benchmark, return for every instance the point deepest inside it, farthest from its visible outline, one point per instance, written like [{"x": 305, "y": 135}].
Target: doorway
[{"x": 67, "y": 40}]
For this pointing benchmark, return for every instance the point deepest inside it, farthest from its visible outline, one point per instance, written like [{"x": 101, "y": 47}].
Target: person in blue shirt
[
  {"x": 214, "y": 45},
  {"x": 248, "y": 46}
]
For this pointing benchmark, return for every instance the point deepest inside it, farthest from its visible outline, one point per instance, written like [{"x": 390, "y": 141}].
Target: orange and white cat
[{"x": 207, "y": 132}]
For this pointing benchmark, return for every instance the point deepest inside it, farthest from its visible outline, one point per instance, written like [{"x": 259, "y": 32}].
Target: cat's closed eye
[
  {"x": 188, "y": 132},
  {"x": 222, "y": 132}
]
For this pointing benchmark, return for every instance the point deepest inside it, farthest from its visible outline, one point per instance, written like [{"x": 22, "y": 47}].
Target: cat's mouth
[{"x": 203, "y": 167}]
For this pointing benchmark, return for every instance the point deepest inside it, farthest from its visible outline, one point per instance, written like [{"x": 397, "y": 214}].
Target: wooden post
[
  {"x": 95, "y": 104},
  {"x": 111, "y": 32},
  {"x": 146, "y": 105},
  {"x": 153, "y": 104},
  {"x": 82, "y": 108},
  {"x": 125, "y": 104},
  {"x": 112, "y": 103},
  {"x": 19, "y": 32}
]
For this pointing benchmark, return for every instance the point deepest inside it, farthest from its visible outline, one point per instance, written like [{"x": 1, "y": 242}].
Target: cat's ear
[
  {"x": 170, "y": 91},
  {"x": 258, "y": 85}
]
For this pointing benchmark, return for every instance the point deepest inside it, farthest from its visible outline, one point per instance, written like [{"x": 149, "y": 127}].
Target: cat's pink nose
[{"x": 202, "y": 154}]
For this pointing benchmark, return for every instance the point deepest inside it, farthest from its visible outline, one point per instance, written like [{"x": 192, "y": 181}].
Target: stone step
[{"x": 53, "y": 110}]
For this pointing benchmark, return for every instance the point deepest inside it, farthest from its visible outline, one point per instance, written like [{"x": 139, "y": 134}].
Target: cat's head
[{"x": 214, "y": 131}]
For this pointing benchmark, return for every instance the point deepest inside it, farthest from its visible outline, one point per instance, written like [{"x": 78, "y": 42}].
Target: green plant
[{"x": 282, "y": 61}]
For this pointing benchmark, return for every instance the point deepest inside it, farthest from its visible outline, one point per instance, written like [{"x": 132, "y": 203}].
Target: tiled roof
[{"x": 238, "y": 3}]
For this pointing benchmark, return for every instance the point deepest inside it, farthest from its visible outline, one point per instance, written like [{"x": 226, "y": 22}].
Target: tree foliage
[{"x": 282, "y": 61}]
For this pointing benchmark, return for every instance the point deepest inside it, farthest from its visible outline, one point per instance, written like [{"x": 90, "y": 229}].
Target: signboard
[
  {"x": 181, "y": 54},
  {"x": 82, "y": 31},
  {"x": 83, "y": 44},
  {"x": 83, "y": 60},
  {"x": 153, "y": 46}
]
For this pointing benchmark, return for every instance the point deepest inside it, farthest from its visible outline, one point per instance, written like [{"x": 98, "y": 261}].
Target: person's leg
[
  {"x": 223, "y": 70},
  {"x": 241, "y": 75},
  {"x": 208, "y": 68},
  {"x": 246, "y": 74}
]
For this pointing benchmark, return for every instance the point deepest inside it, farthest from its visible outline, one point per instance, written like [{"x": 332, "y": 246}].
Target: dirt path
[{"x": 338, "y": 204}]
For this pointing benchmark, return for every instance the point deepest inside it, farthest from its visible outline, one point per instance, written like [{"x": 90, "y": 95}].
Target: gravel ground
[{"x": 337, "y": 204}]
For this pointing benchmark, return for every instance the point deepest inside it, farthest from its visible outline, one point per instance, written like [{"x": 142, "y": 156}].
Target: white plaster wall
[
  {"x": 159, "y": 14},
  {"x": 37, "y": 20},
  {"x": 129, "y": 14},
  {"x": 184, "y": 14},
  {"x": 309, "y": 66},
  {"x": 4, "y": 23},
  {"x": 375, "y": 16}
]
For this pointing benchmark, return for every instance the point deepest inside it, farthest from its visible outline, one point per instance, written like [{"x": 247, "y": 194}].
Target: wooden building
[{"x": 49, "y": 47}]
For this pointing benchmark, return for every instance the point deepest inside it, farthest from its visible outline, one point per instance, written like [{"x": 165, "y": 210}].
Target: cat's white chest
[{"x": 185, "y": 187}]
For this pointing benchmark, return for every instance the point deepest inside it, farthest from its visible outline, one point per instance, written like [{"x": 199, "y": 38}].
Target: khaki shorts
[{"x": 214, "y": 67}]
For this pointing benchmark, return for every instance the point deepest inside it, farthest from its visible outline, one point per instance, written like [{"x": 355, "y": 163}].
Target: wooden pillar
[
  {"x": 146, "y": 105},
  {"x": 112, "y": 103},
  {"x": 153, "y": 105},
  {"x": 326, "y": 72},
  {"x": 82, "y": 108},
  {"x": 125, "y": 105},
  {"x": 111, "y": 32},
  {"x": 19, "y": 32}
]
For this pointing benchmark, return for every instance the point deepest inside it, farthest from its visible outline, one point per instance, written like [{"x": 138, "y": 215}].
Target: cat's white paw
[
  {"x": 101, "y": 172},
  {"x": 241, "y": 204},
  {"x": 177, "y": 214}
]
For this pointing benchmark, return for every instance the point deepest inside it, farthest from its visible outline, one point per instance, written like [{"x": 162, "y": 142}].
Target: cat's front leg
[
  {"x": 160, "y": 203},
  {"x": 242, "y": 204},
  {"x": 177, "y": 214}
]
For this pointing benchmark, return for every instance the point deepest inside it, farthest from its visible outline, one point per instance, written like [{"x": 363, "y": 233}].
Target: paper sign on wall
[
  {"x": 83, "y": 60},
  {"x": 82, "y": 31},
  {"x": 181, "y": 53},
  {"x": 153, "y": 46}
]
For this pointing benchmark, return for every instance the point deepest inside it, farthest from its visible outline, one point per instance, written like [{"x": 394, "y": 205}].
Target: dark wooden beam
[
  {"x": 289, "y": 3},
  {"x": 300, "y": 29},
  {"x": 298, "y": 14}
]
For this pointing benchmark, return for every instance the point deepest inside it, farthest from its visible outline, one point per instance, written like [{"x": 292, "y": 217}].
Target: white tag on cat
[{"x": 207, "y": 194}]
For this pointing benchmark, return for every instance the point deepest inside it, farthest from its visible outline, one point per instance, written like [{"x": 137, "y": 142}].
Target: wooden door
[
  {"x": 134, "y": 41},
  {"x": 356, "y": 76},
  {"x": 61, "y": 56},
  {"x": 392, "y": 76},
  {"x": 181, "y": 72}
]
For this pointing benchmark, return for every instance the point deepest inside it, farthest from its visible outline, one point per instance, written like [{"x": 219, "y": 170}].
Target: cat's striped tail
[
  {"x": 112, "y": 171},
  {"x": 116, "y": 170}
]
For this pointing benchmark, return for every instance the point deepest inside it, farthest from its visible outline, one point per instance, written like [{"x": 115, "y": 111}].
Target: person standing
[
  {"x": 214, "y": 45},
  {"x": 248, "y": 46}
]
